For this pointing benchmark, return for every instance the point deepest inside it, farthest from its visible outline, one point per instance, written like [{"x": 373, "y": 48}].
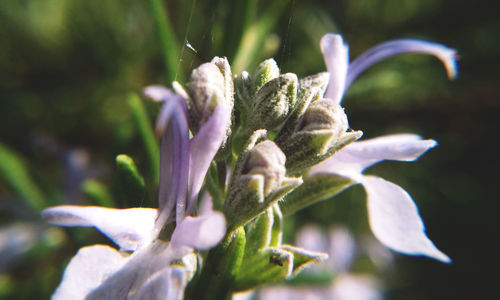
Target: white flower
[
  {"x": 393, "y": 216},
  {"x": 101, "y": 272}
]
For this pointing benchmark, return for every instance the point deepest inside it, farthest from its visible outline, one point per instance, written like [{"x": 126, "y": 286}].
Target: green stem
[{"x": 216, "y": 278}]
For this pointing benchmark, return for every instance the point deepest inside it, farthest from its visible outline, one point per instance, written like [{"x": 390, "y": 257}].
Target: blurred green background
[{"x": 67, "y": 69}]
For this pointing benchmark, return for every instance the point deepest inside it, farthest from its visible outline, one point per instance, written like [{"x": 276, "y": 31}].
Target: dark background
[{"x": 66, "y": 68}]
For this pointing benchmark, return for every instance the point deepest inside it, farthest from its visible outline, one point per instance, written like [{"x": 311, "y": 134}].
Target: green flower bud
[
  {"x": 273, "y": 102},
  {"x": 310, "y": 89},
  {"x": 258, "y": 181},
  {"x": 244, "y": 91},
  {"x": 265, "y": 72}
]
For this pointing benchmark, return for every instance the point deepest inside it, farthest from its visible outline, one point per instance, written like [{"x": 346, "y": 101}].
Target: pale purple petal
[
  {"x": 87, "y": 270},
  {"x": 174, "y": 160},
  {"x": 395, "y": 221},
  {"x": 168, "y": 284},
  {"x": 201, "y": 232},
  {"x": 356, "y": 157},
  {"x": 400, "y": 46},
  {"x": 336, "y": 56},
  {"x": 129, "y": 228},
  {"x": 204, "y": 146},
  {"x": 158, "y": 92}
]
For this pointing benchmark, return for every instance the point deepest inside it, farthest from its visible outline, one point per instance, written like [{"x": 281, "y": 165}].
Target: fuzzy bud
[{"x": 273, "y": 102}]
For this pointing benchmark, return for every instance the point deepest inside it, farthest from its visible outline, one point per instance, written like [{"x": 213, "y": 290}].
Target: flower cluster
[{"x": 264, "y": 145}]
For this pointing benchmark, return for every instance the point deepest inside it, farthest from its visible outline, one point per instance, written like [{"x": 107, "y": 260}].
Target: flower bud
[
  {"x": 268, "y": 161},
  {"x": 210, "y": 85},
  {"x": 273, "y": 102},
  {"x": 258, "y": 181},
  {"x": 266, "y": 71},
  {"x": 320, "y": 132}
]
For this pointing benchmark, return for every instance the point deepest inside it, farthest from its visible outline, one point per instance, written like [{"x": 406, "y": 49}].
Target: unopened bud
[
  {"x": 267, "y": 160},
  {"x": 273, "y": 102},
  {"x": 321, "y": 131},
  {"x": 265, "y": 72},
  {"x": 258, "y": 181},
  {"x": 210, "y": 84}
]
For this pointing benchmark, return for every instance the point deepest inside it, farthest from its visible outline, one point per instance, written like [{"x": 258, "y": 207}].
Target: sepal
[
  {"x": 265, "y": 72},
  {"x": 264, "y": 267},
  {"x": 315, "y": 188},
  {"x": 303, "y": 258}
]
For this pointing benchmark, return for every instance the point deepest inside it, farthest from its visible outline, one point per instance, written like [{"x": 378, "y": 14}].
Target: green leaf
[
  {"x": 14, "y": 171},
  {"x": 98, "y": 192},
  {"x": 131, "y": 182},
  {"x": 146, "y": 131},
  {"x": 168, "y": 42}
]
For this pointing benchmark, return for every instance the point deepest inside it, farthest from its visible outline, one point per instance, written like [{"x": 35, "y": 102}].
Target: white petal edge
[
  {"x": 201, "y": 232},
  {"x": 87, "y": 270},
  {"x": 353, "y": 159},
  {"x": 395, "y": 221},
  {"x": 130, "y": 228},
  {"x": 336, "y": 56}
]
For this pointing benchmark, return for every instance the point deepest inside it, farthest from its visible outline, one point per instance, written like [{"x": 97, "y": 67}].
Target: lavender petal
[
  {"x": 395, "y": 221},
  {"x": 401, "y": 46}
]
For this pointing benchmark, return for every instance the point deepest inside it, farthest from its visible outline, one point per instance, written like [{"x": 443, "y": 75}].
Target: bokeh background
[{"x": 68, "y": 71}]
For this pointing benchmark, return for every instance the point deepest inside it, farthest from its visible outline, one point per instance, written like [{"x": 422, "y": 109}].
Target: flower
[
  {"x": 393, "y": 216},
  {"x": 102, "y": 272}
]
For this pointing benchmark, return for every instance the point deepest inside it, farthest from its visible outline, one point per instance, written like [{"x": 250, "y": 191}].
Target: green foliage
[{"x": 14, "y": 171}]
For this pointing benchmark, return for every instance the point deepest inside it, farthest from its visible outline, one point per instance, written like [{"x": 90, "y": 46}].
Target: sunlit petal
[
  {"x": 158, "y": 92},
  {"x": 395, "y": 221},
  {"x": 336, "y": 56},
  {"x": 204, "y": 146},
  {"x": 174, "y": 160},
  {"x": 168, "y": 284},
  {"x": 356, "y": 157},
  {"x": 129, "y": 228},
  {"x": 400, "y": 46},
  {"x": 201, "y": 232},
  {"x": 87, "y": 270}
]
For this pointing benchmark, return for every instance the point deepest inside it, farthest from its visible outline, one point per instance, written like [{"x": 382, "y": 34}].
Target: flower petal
[
  {"x": 336, "y": 56},
  {"x": 400, "y": 46},
  {"x": 129, "y": 228},
  {"x": 201, "y": 232},
  {"x": 87, "y": 270},
  {"x": 356, "y": 157},
  {"x": 168, "y": 284},
  {"x": 204, "y": 146},
  {"x": 141, "y": 268},
  {"x": 174, "y": 159},
  {"x": 158, "y": 92},
  {"x": 395, "y": 221}
]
